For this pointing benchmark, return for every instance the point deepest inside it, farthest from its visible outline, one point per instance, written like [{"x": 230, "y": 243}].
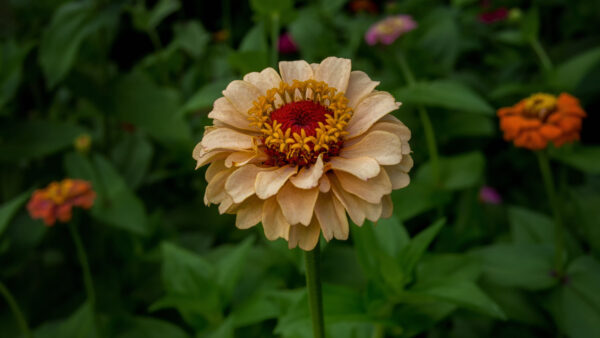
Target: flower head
[
  {"x": 357, "y": 6},
  {"x": 298, "y": 149},
  {"x": 541, "y": 118},
  {"x": 57, "y": 199},
  {"x": 493, "y": 16},
  {"x": 389, "y": 29},
  {"x": 286, "y": 44},
  {"x": 489, "y": 195},
  {"x": 83, "y": 143}
]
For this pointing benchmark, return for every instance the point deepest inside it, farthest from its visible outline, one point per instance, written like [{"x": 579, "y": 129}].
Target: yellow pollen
[{"x": 540, "y": 105}]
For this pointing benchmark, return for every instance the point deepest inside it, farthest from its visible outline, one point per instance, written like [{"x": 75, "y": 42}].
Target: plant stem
[
  {"x": 554, "y": 204},
  {"x": 14, "y": 307},
  {"x": 425, "y": 121},
  {"x": 274, "y": 39},
  {"x": 378, "y": 331},
  {"x": 155, "y": 39},
  {"x": 87, "y": 275},
  {"x": 541, "y": 53},
  {"x": 313, "y": 284}
]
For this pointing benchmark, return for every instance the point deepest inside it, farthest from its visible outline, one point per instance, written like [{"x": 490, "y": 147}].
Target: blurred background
[{"x": 118, "y": 93}]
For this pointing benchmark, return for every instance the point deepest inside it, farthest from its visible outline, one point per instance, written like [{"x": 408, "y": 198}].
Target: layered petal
[
  {"x": 268, "y": 183},
  {"x": 359, "y": 86},
  {"x": 331, "y": 216},
  {"x": 295, "y": 70},
  {"x": 370, "y": 190},
  {"x": 296, "y": 204},
  {"x": 274, "y": 223},
  {"x": 265, "y": 80},
  {"x": 335, "y": 72},
  {"x": 306, "y": 237},
  {"x": 225, "y": 112},
  {"x": 372, "y": 108},
  {"x": 241, "y": 94}
]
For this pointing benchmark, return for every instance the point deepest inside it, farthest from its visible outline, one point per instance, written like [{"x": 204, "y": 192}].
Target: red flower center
[{"x": 301, "y": 115}]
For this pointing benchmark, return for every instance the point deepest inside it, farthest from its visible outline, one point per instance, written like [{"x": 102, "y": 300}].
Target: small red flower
[
  {"x": 494, "y": 16},
  {"x": 57, "y": 199}
]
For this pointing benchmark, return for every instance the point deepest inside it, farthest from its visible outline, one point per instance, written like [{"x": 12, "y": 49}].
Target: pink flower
[
  {"x": 489, "y": 195},
  {"x": 389, "y": 29},
  {"x": 286, "y": 44},
  {"x": 493, "y": 16}
]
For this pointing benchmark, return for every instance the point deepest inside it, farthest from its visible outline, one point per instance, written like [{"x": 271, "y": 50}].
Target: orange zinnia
[
  {"x": 541, "y": 118},
  {"x": 58, "y": 198}
]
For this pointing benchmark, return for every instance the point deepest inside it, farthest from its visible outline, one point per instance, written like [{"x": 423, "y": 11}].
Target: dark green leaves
[
  {"x": 8, "y": 209},
  {"x": 81, "y": 324},
  {"x": 11, "y": 62},
  {"x": 457, "y": 172},
  {"x": 570, "y": 73},
  {"x": 584, "y": 158}
]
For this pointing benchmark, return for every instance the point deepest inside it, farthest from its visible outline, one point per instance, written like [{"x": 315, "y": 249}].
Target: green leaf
[
  {"x": 71, "y": 24},
  {"x": 584, "y": 158},
  {"x": 161, "y": 10},
  {"x": 457, "y": 172},
  {"x": 418, "y": 197},
  {"x": 525, "y": 266},
  {"x": 444, "y": 94},
  {"x": 442, "y": 39},
  {"x": 230, "y": 267},
  {"x": 412, "y": 253},
  {"x": 458, "y": 124},
  {"x": 435, "y": 267},
  {"x": 262, "y": 305},
  {"x": 530, "y": 24},
  {"x": 570, "y": 73},
  {"x": 517, "y": 305},
  {"x": 248, "y": 61},
  {"x": 141, "y": 102},
  {"x": 530, "y": 227},
  {"x": 255, "y": 40},
  {"x": 21, "y": 141},
  {"x": 10, "y": 208},
  {"x": 391, "y": 235},
  {"x": 132, "y": 156},
  {"x": 315, "y": 40},
  {"x": 80, "y": 324},
  {"x": 192, "y": 37},
  {"x": 11, "y": 63},
  {"x": 148, "y": 327},
  {"x": 205, "y": 96},
  {"x": 267, "y": 7}
]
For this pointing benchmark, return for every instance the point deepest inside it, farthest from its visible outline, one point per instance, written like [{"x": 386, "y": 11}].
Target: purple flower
[
  {"x": 286, "y": 44},
  {"x": 489, "y": 195},
  {"x": 389, "y": 29}
]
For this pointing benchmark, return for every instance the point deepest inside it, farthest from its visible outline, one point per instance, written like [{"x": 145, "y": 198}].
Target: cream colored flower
[{"x": 300, "y": 149}]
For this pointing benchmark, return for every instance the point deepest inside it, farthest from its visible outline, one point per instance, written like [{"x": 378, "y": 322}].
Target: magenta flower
[
  {"x": 489, "y": 195},
  {"x": 389, "y": 29},
  {"x": 494, "y": 16},
  {"x": 286, "y": 44}
]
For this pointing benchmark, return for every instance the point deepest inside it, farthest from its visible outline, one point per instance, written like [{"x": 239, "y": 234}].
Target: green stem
[
  {"x": 155, "y": 39},
  {"x": 541, "y": 53},
  {"x": 87, "y": 275},
  {"x": 274, "y": 39},
  {"x": 408, "y": 75},
  {"x": 554, "y": 204},
  {"x": 378, "y": 331},
  {"x": 14, "y": 307},
  {"x": 313, "y": 284}
]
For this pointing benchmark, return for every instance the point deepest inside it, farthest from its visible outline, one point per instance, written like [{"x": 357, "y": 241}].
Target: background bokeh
[{"x": 139, "y": 78}]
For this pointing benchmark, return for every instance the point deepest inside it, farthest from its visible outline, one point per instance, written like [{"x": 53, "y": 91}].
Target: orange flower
[
  {"x": 57, "y": 199},
  {"x": 541, "y": 118}
]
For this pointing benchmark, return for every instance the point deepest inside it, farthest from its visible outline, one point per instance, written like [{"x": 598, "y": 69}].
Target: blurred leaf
[
  {"x": 418, "y": 197},
  {"x": 464, "y": 125},
  {"x": 412, "y": 253},
  {"x": 445, "y": 94},
  {"x": 530, "y": 227},
  {"x": 391, "y": 235},
  {"x": 9, "y": 208},
  {"x": 517, "y": 305},
  {"x": 584, "y": 158},
  {"x": 248, "y": 61},
  {"x": 267, "y": 7},
  {"x": 192, "y": 37},
  {"x": 513, "y": 37},
  {"x": 262, "y": 305},
  {"x": 332, "y": 7},
  {"x": 530, "y": 24},
  {"x": 230, "y": 267},
  {"x": 255, "y": 40},
  {"x": 132, "y": 156},
  {"x": 570, "y": 73},
  {"x": 147, "y": 20},
  {"x": 11, "y": 63},
  {"x": 447, "y": 266},
  {"x": 148, "y": 327},
  {"x": 70, "y": 25},
  {"x": 141, "y": 102},
  {"x": 442, "y": 38},
  {"x": 224, "y": 330},
  {"x": 314, "y": 39},
  {"x": 205, "y": 96},
  {"x": 80, "y": 324},
  {"x": 525, "y": 266},
  {"x": 457, "y": 172},
  {"x": 21, "y": 141}
]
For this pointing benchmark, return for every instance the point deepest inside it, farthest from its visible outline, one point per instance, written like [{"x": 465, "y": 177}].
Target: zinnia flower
[
  {"x": 286, "y": 44},
  {"x": 299, "y": 149},
  {"x": 489, "y": 195},
  {"x": 57, "y": 199},
  {"x": 494, "y": 16},
  {"x": 541, "y": 118},
  {"x": 389, "y": 29}
]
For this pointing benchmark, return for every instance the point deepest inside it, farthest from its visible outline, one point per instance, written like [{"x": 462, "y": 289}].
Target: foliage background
[{"x": 139, "y": 77}]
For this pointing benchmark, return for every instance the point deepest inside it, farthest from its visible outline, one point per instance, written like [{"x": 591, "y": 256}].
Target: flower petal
[
  {"x": 250, "y": 213},
  {"x": 359, "y": 86},
  {"x": 373, "y": 107},
  {"x": 309, "y": 177},
  {"x": 225, "y": 112},
  {"x": 202, "y": 157},
  {"x": 296, "y": 204},
  {"x": 240, "y": 185},
  {"x": 335, "y": 72},
  {"x": 273, "y": 221},
  {"x": 384, "y": 147},
  {"x": 370, "y": 190},
  {"x": 398, "y": 177},
  {"x": 268, "y": 183},
  {"x": 225, "y": 138},
  {"x": 215, "y": 190},
  {"x": 240, "y": 158},
  {"x": 241, "y": 94},
  {"x": 306, "y": 237},
  {"x": 387, "y": 206},
  {"x": 361, "y": 167},
  {"x": 265, "y": 80},
  {"x": 357, "y": 208},
  {"x": 213, "y": 169},
  {"x": 331, "y": 216},
  {"x": 295, "y": 70}
]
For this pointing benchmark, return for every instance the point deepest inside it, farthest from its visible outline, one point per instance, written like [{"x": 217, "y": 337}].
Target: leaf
[
  {"x": 570, "y": 73},
  {"x": 141, "y": 102},
  {"x": 132, "y": 156},
  {"x": 192, "y": 37},
  {"x": 444, "y": 94},
  {"x": 412, "y": 253},
  {"x": 148, "y": 327},
  {"x": 205, "y": 96},
  {"x": 11, "y": 64},
  {"x": 457, "y": 172},
  {"x": 314, "y": 39},
  {"x": 525, "y": 266},
  {"x": 80, "y": 324},
  {"x": 255, "y": 40},
  {"x": 530, "y": 227},
  {"x": 230, "y": 267},
  {"x": 262, "y": 305},
  {"x": 418, "y": 197},
  {"x": 434, "y": 267},
  {"x": 248, "y": 61},
  {"x": 10, "y": 208},
  {"x": 584, "y": 158},
  {"x": 391, "y": 235},
  {"x": 442, "y": 38},
  {"x": 530, "y": 24},
  {"x": 458, "y": 124},
  {"x": 71, "y": 24},
  {"x": 21, "y": 141},
  {"x": 161, "y": 10},
  {"x": 268, "y": 7}
]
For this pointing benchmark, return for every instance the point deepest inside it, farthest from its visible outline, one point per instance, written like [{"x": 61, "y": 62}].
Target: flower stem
[
  {"x": 558, "y": 225},
  {"x": 541, "y": 53},
  {"x": 14, "y": 307},
  {"x": 313, "y": 284},
  {"x": 87, "y": 275},
  {"x": 378, "y": 331},
  {"x": 274, "y": 39}
]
